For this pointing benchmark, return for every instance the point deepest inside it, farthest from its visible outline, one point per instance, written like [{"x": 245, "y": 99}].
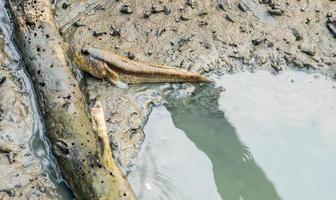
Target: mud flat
[
  {"x": 211, "y": 36},
  {"x": 22, "y": 172}
]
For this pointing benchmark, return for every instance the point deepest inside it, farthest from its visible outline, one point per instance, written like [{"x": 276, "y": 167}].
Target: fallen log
[{"x": 81, "y": 156}]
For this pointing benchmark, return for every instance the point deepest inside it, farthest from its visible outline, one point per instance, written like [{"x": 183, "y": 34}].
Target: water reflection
[
  {"x": 170, "y": 166},
  {"x": 237, "y": 175},
  {"x": 287, "y": 121}
]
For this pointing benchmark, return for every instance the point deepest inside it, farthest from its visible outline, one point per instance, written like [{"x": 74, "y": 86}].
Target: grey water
[
  {"x": 39, "y": 141},
  {"x": 254, "y": 136}
]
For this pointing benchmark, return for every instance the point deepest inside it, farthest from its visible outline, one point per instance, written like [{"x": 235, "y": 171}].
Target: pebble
[
  {"x": 126, "y": 9},
  {"x": 232, "y": 44},
  {"x": 157, "y": 8},
  {"x": 11, "y": 192},
  {"x": 286, "y": 40},
  {"x": 297, "y": 63},
  {"x": 242, "y": 6},
  {"x": 219, "y": 72},
  {"x": 42, "y": 189},
  {"x": 332, "y": 28},
  {"x": 206, "y": 69},
  {"x": 191, "y": 3},
  {"x": 79, "y": 24},
  {"x": 10, "y": 157},
  {"x": 147, "y": 13},
  {"x": 160, "y": 31},
  {"x": 276, "y": 67},
  {"x": 296, "y": 34},
  {"x": 131, "y": 55},
  {"x": 206, "y": 45},
  {"x": 2, "y": 79},
  {"x": 308, "y": 20},
  {"x": 270, "y": 44},
  {"x": 258, "y": 41},
  {"x": 308, "y": 51},
  {"x": 308, "y": 65},
  {"x": 203, "y": 13},
  {"x": 166, "y": 10},
  {"x": 98, "y": 33},
  {"x": 185, "y": 16},
  {"x": 276, "y": 12},
  {"x": 65, "y": 5},
  {"x": 202, "y": 23},
  {"x": 4, "y": 149},
  {"x": 265, "y": 1},
  {"x": 115, "y": 31},
  {"x": 222, "y": 4},
  {"x": 243, "y": 29},
  {"x": 228, "y": 17}
]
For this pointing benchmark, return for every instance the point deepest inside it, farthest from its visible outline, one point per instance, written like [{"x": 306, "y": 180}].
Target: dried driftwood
[
  {"x": 101, "y": 130},
  {"x": 84, "y": 161}
]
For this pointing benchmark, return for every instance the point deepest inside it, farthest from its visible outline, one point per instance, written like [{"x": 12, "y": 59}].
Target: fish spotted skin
[{"x": 104, "y": 64}]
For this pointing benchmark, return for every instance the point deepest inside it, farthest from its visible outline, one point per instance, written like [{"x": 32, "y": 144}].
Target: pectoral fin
[{"x": 115, "y": 79}]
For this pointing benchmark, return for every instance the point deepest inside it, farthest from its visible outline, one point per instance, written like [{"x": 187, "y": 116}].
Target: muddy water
[
  {"x": 38, "y": 143},
  {"x": 161, "y": 169},
  {"x": 250, "y": 141}
]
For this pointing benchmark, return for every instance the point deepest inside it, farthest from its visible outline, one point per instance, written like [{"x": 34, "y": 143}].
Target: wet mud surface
[
  {"x": 21, "y": 170},
  {"x": 126, "y": 112},
  {"x": 200, "y": 36}
]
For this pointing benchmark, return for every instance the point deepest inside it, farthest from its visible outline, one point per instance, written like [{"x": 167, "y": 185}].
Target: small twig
[
  {"x": 101, "y": 130},
  {"x": 68, "y": 25}
]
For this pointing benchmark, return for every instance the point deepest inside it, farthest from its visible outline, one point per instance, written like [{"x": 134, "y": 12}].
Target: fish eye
[{"x": 85, "y": 51}]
